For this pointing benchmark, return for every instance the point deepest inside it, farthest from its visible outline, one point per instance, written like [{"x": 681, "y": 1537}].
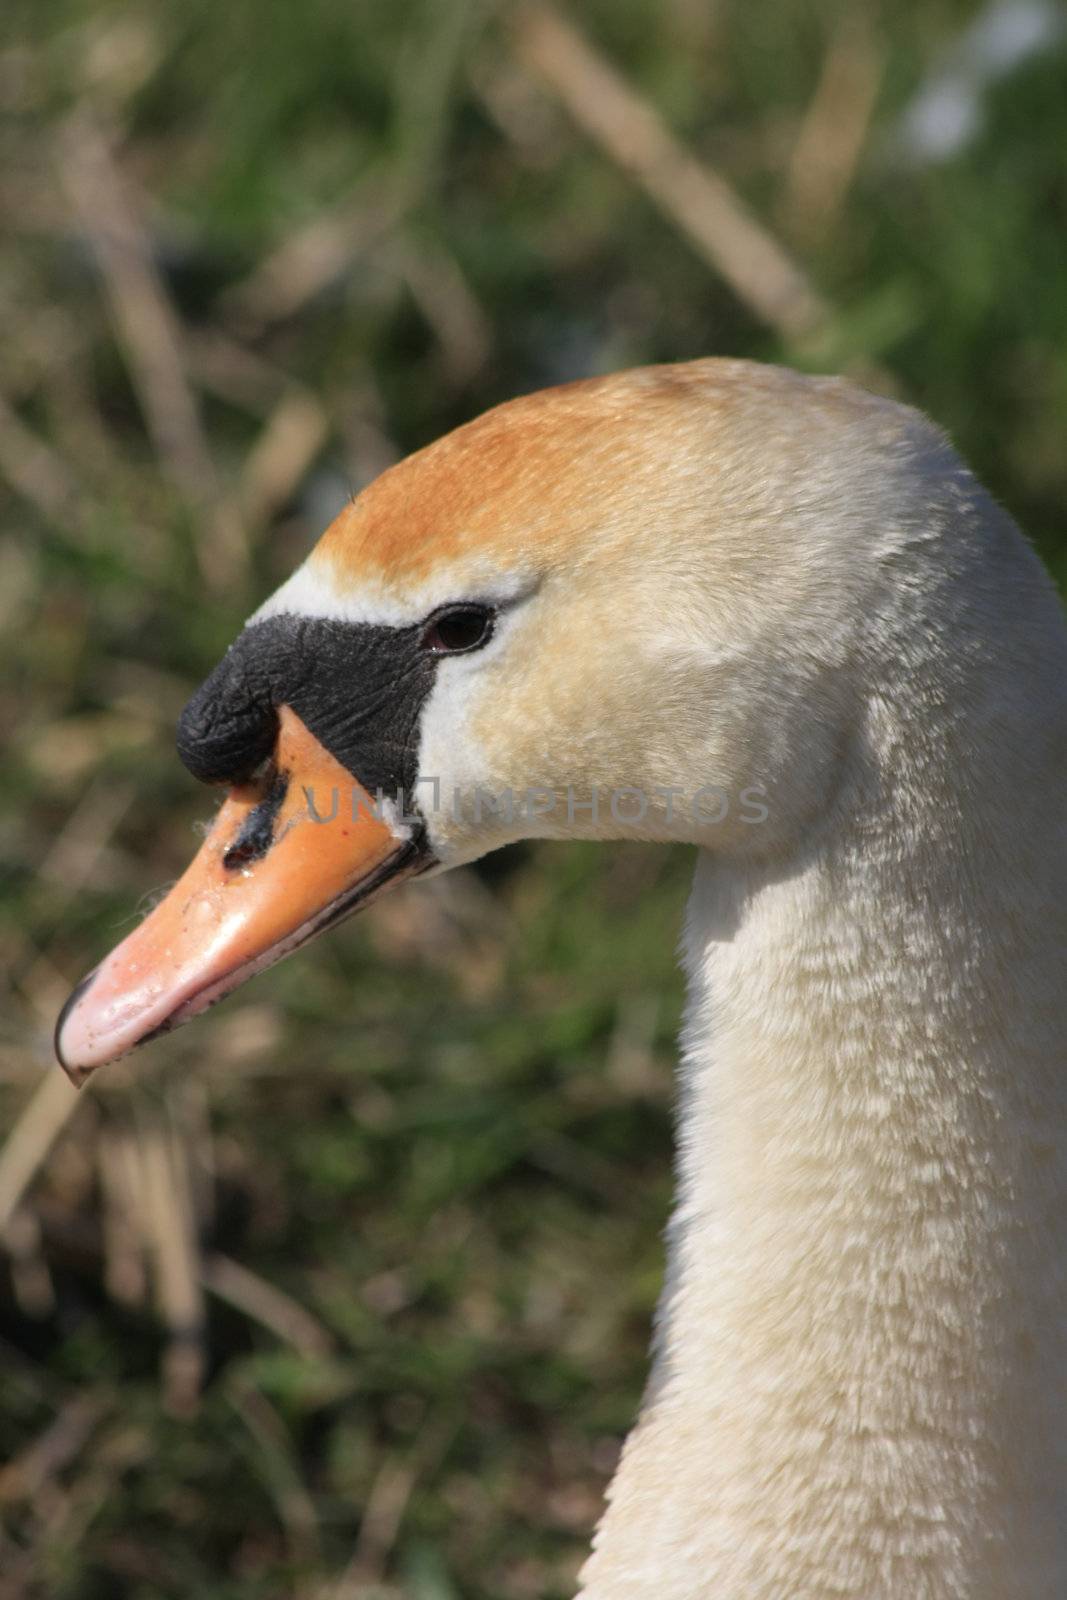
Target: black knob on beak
[{"x": 230, "y": 726}]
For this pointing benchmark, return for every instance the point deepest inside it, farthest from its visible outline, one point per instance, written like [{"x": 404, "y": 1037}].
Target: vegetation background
[{"x": 345, "y": 1290}]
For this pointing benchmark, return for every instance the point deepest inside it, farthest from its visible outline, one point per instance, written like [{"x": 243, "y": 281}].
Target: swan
[{"x": 776, "y": 617}]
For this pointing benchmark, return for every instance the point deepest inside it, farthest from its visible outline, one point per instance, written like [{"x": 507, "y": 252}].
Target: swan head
[{"x": 627, "y": 607}]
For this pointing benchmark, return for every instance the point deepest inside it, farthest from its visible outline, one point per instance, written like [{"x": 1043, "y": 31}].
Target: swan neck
[{"x": 857, "y": 1386}]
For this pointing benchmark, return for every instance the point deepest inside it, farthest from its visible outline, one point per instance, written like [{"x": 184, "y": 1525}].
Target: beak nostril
[{"x": 256, "y": 834}]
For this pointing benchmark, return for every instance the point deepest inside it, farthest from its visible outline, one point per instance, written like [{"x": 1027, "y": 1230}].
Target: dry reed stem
[
  {"x": 170, "y": 1231},
  {"x": 31, "y": 1281},
  {"x": 380, "y": 1524},
  {"x": 56, "y": 1447},
  {"x": 699, "y": 202},
  {"x": 296, "y": 1510},
  {"x": 36, "y": 1129},
  {"x": 383, "y": 1513},
  {"x": 34, "y": 470},
  {"x": 118, "y": 1163},
  {"x": 266, "y": 1304},
  {"x": 237, "y": 374},
  {"x": 309, "y": 260},
  {"x": 83, "y": 838},
  {"x": 150, "y": 336},
  {"x": 831, "y": 138},
  {"x": 68, "y": 865},
  {"x": 443, "y": 295},
  {"x": 292, "y": 437}
]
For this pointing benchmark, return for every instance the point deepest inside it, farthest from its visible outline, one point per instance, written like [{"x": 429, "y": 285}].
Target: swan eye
[{"x": 458, "y": 629}]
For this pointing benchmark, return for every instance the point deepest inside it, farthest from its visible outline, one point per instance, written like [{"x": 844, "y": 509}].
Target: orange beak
[{"x": 285, "y": 859}]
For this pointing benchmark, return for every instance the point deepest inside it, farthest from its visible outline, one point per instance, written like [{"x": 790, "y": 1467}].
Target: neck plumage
[{"x": 859, "y": 1386}]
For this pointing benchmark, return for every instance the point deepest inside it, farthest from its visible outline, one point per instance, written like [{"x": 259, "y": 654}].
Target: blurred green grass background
[{"x": 345, "y": 1290}]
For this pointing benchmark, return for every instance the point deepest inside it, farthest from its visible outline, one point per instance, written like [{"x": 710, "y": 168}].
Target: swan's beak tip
[
  {"x": 86, "y": 1036},
  {"x": 69, "y": 1041}
]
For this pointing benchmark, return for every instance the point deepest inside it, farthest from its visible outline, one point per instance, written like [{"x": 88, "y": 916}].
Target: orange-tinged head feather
[{"x": 522, "y": 475}]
